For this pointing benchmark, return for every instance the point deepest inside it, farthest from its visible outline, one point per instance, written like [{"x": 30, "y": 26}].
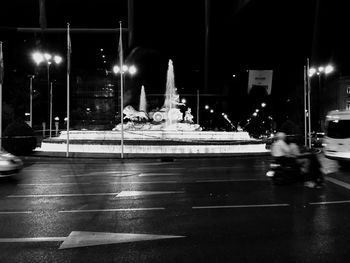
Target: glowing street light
[
  {"x": 48, "y": 58},
  {"x": 321, "y": 69},
  {"x": 328, "y": 69},
  {"x": 125, "y": 69}
]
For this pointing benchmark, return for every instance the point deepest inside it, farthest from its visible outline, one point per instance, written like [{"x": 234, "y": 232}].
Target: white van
[{"x": 337, "y": 136}]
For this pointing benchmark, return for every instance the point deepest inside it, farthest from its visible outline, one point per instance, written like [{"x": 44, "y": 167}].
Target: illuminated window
[
  {"x": 348, "y": 90},
  {"x": 348, "y": 105}
]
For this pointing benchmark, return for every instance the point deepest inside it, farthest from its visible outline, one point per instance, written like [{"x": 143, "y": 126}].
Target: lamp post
[
  {"x": 47, "y": 58},
  {"x": 122, "y": 70},
  {"x": 319, "y": 71},
  {"x": 31, "y": 77}
]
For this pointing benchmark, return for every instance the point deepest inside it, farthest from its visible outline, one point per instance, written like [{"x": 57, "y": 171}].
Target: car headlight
[{"x": 4, "y": 162}]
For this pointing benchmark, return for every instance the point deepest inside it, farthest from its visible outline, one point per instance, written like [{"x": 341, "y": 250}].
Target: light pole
[
  {"x": 47, "y": 58},
  {"x": 122, "y": 69},
  {"x": 319, "y": 71},
  {"x": 31, "y": 77}
]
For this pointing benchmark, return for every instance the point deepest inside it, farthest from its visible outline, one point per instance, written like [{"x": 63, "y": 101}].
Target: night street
[{"x": 200, "y": 210}]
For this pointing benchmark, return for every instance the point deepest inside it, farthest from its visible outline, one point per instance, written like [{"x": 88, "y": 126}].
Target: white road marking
[
  {"x": 100, "y": 183},
  {"x": 133, "y": 182},
  {"x": 229, "y": 180},
  {"x": 53, "y": 184},
  {"x": 32, "y": 239},
  {"x": 60, "y": 195},
  {"x": 330, "y": 202},
  {"x": 113, "y": 210},
  {"x": 85, "y": 239},
  {"x": 228, "y": 167},
  {"x": 109, "y": 173},
  {"x": 157, "y": 174},
  {"x": 15, "y": 212},
  {"x": 140, "y": 193},
  {"x": 337, "y": 182},
  {"x": 239, "y": 206}
]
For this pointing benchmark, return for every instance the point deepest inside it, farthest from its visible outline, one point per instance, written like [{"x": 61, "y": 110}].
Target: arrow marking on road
[
  {"x": 85, "y": 239},
  {"x": 139, "y": 193}
]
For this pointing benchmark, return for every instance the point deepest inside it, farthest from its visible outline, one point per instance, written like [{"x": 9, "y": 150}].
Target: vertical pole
[
  {"x": 198, "y": 106},
  {"x": 31, "y": 101},
  {"x": 44, "y": 129},
  {"x": 1, "y": 81},
  {"x": 50, "y": 110},
  {"x": 206, "y": 48},
  {"x": 121, "y": 91},
  {"x": 48, "y": 87},
  {"x": 69, "y": 50},
  {"x": 309, "y": 101},
  {"x": 305, "y": 106}
]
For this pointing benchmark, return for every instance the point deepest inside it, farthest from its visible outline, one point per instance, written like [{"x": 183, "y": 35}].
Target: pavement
[{"x": 174, "y": 210}]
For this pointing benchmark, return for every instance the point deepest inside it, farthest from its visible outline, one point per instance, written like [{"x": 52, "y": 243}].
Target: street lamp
[
  {"x": 125, "y": 69},
  {"x": 47, "y": 58},
  {"x": 319, "y": 71},
  {"x": 31, "y": 77}
]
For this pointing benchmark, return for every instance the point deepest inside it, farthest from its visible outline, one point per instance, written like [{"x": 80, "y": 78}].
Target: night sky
[{"x": 243, "y": 35}]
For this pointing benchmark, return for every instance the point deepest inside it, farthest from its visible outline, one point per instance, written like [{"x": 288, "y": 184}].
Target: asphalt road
[{"x": 186, "y": 210}]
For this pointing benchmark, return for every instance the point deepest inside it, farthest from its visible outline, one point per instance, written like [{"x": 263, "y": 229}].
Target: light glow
[
  {"x": 328, "y": 69},
  {"x": 312, "y": 72},
  {"x": 116, "y": 69},
  {"x": 132, "y": 70},
  {"x": 38, "y": 57},
  {"x": 57, "y": 59}
]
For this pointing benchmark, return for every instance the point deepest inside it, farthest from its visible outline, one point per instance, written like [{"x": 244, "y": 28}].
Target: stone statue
[{"x": 188, "y": 116}]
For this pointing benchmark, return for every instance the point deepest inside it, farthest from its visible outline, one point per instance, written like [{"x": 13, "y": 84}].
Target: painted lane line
[
  {"x": 240, "y": 206},
  {"x": 100, "y": 183},
  {"x": 229, "y": 180},
  {"x": 61, "y": 195},
  {"x": 32, "y": 239},
  {"x": 337, "y": 182},
  {"x": 157, "y": 174},
  {"x": 113, "y": 210},
  {"x": 133, "y": 182},
  {"x": 330, "y": 202},
  {"x": 228, "y": 167},
  {"x": 15, "y": 212},
  {"x": 112, "y": 173},
  {"x": 55, "y": 184},
  {"x": 141, "y": 193}
]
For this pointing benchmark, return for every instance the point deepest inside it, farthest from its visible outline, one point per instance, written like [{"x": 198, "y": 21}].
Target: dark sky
[{"x": 255, "y": 34}]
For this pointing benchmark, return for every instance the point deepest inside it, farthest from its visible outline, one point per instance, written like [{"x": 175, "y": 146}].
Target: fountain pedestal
[{"x": 159, "y": 143}]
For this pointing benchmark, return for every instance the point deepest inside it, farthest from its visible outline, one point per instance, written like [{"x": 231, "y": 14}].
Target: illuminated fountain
[
  {"x": 143, "y": 101},
  {"x": 168, "y": 118},
  {"x": 161, "y": 132}
]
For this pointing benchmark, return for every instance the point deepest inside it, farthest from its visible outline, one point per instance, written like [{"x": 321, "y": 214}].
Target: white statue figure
[
  {"x": 134, "y": 115},
  {"x": 188, "y": 116}
]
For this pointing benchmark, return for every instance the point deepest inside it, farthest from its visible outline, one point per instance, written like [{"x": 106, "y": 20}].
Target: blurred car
[{"x": 9, "y": 164}]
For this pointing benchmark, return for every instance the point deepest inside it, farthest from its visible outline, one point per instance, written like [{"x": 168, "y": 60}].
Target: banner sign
[{"x": 260, "y": 78}]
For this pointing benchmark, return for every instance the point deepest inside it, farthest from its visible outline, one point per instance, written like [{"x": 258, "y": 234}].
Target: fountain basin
[{"x": 162, "y": 143}]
